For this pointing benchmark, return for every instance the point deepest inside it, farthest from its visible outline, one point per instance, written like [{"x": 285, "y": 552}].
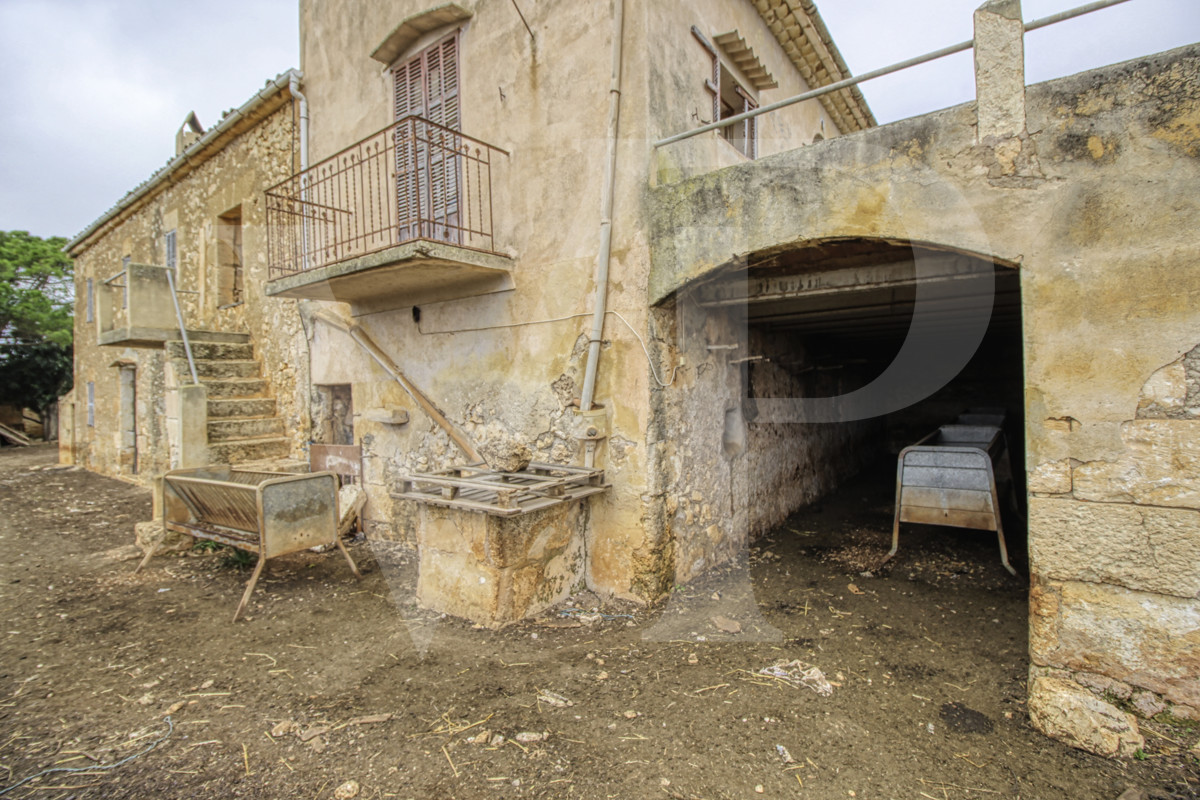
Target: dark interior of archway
[{"x": 835, "y": 340}]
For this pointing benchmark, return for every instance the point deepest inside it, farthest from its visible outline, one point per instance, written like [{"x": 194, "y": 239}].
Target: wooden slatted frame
[{"x": 504, "y": 494}]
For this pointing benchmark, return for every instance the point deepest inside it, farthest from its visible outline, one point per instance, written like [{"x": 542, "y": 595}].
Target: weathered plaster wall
[
  {"x": 677, "y": 99},
  {"x": 726, "y": 476},
  {"x": 545, "y": 102},
  {"x": 1097, "y": 205},
  {"x": 235, "y": 176}
]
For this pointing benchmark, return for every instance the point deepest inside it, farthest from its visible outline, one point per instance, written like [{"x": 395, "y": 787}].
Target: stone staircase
[{"x": 243, "y": 425}]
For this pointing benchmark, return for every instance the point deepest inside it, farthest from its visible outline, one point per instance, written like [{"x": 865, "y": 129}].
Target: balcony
[
  {"x": 401, "y": 218},
  {"x": 134, "y": 308}
]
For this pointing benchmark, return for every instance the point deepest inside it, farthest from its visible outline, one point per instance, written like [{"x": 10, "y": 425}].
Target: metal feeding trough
[
  {"x": 950, "y": 478},
  {"x": 266, "y": 513}
]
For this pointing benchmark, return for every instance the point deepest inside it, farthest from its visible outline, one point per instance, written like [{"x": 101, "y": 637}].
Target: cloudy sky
[{"x": 92, "y": 91}]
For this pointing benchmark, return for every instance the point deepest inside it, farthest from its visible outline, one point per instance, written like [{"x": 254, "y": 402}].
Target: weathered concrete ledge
[
  {"x": 925, "y": 179},
  {"x": 404, "y": 275}
]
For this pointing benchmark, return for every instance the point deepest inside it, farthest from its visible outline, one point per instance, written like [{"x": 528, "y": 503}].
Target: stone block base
[
  {"x": 1064, "y": 710},
  {"x": 497, "y": 570}
]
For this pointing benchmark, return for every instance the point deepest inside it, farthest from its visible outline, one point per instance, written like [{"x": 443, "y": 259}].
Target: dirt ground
[{"x": 331, "y": 680}]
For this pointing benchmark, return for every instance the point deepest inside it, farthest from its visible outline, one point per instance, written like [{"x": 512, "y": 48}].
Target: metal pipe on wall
[
  {"x": 604, "y": 256},
  {"x": 294, "y": 89}
]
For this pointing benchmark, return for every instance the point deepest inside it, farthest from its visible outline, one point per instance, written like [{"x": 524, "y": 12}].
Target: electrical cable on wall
[{"x": 642, "y": 342}]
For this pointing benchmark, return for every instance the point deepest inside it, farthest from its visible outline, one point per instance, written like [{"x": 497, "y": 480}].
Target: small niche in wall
[
  {"x": 333, "y": 414},
  {"x": 229, "y": 258}
]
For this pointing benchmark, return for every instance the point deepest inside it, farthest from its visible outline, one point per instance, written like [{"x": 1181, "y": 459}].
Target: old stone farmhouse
[{"x": 574, "y": 354}]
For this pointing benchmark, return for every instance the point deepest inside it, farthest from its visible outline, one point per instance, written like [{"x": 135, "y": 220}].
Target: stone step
[
  {"x": 211, "y": 350},
  {"x": 226, "y": 388},
  {"x": 219, "y": 368},
  {"x": 196, "y": 335},
  {"x": 240, "y": 451},
  {"x": 286, "y": 464},
  {"x": 244, "y": 408},
  {"x": 229, "y": 429}
]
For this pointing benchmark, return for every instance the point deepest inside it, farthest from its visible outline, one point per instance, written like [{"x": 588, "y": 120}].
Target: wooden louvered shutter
[
  {"x": 427, "y": 169},
  {"x": 409, "y": 101}
]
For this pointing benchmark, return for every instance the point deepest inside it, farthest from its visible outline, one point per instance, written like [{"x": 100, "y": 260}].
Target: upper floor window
[
  {"x": 428, "y": 157},
  {"x": 171, "y": 253},
  {"x": 90, "y": 312},
  {"x": 426, "y": 85},
  {"x": 125, "y": 281},
  {"x": 731, "y": 99},
  {"x": 730, "y": 96}
]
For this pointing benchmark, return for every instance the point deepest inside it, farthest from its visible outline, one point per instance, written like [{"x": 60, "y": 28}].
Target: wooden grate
[{"x": 505, "y": 494}]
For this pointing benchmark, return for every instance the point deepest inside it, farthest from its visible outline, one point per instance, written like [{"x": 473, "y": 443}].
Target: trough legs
[
  {"x": 896, "y": 522},
  {"x": 151, "y": 551},
  {"x": 1000, "y": 535},
  {"x": 349, "y": 560},
  {"x": 258, "y": 568}
]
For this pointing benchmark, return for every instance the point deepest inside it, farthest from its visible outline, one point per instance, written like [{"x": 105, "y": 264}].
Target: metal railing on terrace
[
  {"x": 414, "y": 180},
  {"x": 854, "y": 80}
]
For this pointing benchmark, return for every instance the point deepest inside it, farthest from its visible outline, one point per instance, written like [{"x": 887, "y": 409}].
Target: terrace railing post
[{"x": 999, "y": 70}]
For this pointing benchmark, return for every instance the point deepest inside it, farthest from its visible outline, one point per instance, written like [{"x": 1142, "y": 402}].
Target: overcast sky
[{"x": 92, "y": 91}]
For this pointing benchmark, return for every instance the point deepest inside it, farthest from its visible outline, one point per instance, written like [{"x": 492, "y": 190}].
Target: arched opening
[{"x": 815, "y": 498}]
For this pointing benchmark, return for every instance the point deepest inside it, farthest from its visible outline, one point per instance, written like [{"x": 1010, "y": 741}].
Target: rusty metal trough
[
  {"x": 950, "y": 478},
  {"x": 266, "y": 513}
]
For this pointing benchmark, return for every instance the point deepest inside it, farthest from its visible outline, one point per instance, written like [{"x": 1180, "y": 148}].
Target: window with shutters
[
  {"x": 427, "y": 144},
  {"x": 733, "y": 100},
  {"x": 730, "y": 98}
]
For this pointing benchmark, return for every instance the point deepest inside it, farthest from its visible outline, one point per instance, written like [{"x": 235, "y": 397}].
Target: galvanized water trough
[
  {"x": 266, "y": 513},
  {"x": 950, "y": 478}
]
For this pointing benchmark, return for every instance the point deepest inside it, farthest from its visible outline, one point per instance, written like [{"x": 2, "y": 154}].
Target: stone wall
[
  {"x": 235, "y": 176},
  {"x": 1097, "y": 204},
  {"x": 507, "y": 368},
  {"x": 726, "y": 477}
]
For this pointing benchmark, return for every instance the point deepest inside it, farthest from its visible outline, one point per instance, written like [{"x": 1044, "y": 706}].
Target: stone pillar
[
  {"x": 999, "y": 70},
  {"x": 191, "y": 426},
  {"x": 66, "y": 428},
  {"x": 498, "y": 570}
]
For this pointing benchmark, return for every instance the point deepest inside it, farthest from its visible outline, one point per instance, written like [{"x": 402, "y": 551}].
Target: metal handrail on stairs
[{"x": 187, "y": 345}]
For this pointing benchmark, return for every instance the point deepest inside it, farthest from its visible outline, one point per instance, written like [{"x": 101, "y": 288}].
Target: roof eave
[{"x": 199, "y": 152}]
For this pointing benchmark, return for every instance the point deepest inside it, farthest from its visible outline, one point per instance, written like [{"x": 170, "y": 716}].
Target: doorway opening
[{"x": 128, "y": 411}]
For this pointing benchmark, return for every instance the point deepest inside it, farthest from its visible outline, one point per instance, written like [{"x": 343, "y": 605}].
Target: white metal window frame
[
  {"x": 125, "y": 283},
  {"x": 170, "y": 246}
]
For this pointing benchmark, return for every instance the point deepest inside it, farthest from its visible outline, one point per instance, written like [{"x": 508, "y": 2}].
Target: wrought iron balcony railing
[{"x": 413, "y": 180}]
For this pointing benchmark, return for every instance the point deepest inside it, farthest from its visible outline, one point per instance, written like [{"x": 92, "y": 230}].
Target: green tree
[{"x": 36, "y": 327}]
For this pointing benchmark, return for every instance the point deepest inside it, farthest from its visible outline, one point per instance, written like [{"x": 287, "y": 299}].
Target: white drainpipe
[
  {"x": 604, "y": 257},
  {"x": 294, "y": 88}
]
